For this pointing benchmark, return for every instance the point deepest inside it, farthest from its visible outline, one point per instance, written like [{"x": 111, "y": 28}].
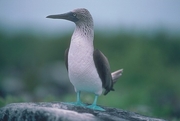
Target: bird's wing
[
  {"x": 103, "y": 69},
  {"x": 66, "y": 57}
]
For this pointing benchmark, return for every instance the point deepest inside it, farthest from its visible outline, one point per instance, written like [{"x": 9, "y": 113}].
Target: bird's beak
[
  {"x": 68, "y": 16},
  {"x": 59, "y": 16}
]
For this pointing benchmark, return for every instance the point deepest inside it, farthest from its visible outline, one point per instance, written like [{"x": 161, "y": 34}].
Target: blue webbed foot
[
  {"x": 95, "y": 107},
  {"x": 78, "y": 102}
]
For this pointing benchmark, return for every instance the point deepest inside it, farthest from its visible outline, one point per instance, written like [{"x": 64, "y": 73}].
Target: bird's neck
[
  {"x": 83, "y": 34},
  {"x": 81, "y": 46}
]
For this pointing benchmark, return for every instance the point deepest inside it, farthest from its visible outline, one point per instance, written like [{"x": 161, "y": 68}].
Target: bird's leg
[
  {"x": 94, "y": 106},
  {"x": 78, "y": 101}
]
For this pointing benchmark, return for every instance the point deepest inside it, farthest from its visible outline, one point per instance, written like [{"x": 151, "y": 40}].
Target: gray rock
[{"x": 56, "y": 111}]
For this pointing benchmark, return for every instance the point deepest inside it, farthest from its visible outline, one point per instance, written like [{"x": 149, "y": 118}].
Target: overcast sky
[{"x": 146, "y": 14}]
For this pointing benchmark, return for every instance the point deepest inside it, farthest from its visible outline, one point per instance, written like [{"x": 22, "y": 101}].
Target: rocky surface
[{"x": 56, "y": 111}]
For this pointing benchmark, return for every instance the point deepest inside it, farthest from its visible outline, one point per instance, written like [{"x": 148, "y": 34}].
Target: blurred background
[{"x": 142, "y": 37}]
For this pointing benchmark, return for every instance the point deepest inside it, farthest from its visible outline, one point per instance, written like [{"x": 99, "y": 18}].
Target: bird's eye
[{"x": 74, "y": 14}]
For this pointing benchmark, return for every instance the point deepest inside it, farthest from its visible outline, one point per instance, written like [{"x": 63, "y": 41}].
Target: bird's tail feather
[{"x": 116, "y": 74}]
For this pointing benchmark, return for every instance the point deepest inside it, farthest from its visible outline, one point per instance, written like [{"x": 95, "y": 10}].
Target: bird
[{"x": 88, "y": 68}]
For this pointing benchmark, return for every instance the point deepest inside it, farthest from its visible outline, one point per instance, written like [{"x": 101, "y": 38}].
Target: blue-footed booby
[{"x": 88, "y": 68}]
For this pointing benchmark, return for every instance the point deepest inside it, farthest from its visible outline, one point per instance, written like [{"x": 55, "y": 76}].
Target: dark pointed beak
[{"x": 68, "y": 16}]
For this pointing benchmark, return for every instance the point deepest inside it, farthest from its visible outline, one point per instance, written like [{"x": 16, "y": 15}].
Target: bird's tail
[{"x": 116, "y": 74}]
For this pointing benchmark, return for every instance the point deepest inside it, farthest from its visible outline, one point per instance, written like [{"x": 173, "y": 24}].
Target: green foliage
[
  {"x": 10, "y": 99},
  {"x": 150, "y": 81}
]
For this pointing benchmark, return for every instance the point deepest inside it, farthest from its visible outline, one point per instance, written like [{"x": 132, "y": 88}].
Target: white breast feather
[{"x": 82, "y": 71}]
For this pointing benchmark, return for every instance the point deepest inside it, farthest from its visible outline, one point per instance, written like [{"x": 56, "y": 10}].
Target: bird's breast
[
  {"x": 80, "y": 57},
  {"x": 81, "y": 68}
]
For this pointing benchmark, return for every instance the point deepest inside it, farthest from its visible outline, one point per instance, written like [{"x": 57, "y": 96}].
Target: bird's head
[{"x": 80, "y": 15}]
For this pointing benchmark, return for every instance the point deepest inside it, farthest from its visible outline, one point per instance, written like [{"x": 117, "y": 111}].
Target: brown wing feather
[
  {"x": 103, "y": 69},
  {"x": 66, "y": 57}
]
